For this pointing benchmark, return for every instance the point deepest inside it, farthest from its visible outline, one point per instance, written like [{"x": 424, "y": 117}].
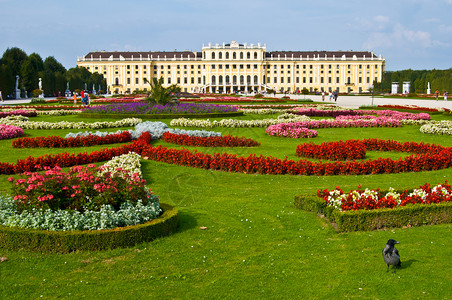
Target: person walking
[
  {"x": 445, "y": 95},
  {"x": 1, "y": 98},
  {"x": 323, "y": 96},
  {"x": 436, "y": 95},
  {"x": 75, "y": 98},
  {"x": 331, "y": 95}
]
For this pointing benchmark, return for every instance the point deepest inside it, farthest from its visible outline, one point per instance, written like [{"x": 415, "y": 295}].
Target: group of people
[
  {"x": 437, "y": 95},
  {"x": 333, "y": 95},
  {"x": 84, "y": 98}
]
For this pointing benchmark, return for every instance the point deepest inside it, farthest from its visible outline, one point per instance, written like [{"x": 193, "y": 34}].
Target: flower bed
[
  {"x": 82, "y": 141},
  {"x": 441, "y": 128},
  {"x": 218, "y": 141},
  {"x": 355, "y": 114},
  {"x": 291, "y": 129},
  {"x": 413, "y": 107},
  {"x": 25, "y": 124},
  {"x": 64, "y": 212},
  {"x": 25, "y": 113},
  {"x": 231, "y": 99},
  {"x": 156, "y": 109},
  {"x": 375, "y": 199},
  {"x": 10, "y": 131},
  {"x": 340, "y": 150},
  {"x": 432, "y": 157},
  {"x": 183, "y": 122},
  {"x": 33, "y": 164}
]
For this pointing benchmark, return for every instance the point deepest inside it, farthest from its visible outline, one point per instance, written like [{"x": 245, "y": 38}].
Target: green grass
[{"x": 257, "y": 245}]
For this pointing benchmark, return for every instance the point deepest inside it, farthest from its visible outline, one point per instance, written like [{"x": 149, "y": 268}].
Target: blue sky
[{"x": 414, "y": 34}]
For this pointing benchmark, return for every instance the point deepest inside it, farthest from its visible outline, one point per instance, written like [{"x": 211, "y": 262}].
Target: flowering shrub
[
  {"x": 374, "y": 199},
  {"x": 313, "y": 112},
  {"x": 82, "y": 188},
  {"x": 25, "y": 124},
  {"x": 221, "y": 141},
  {"x": 10, "y": 131},
  {"x": 438, "y": 127},
  {"x": 348, "y": 150},
  {"x": 146, "y": 108},
  {"x": 82, "y": 141}
]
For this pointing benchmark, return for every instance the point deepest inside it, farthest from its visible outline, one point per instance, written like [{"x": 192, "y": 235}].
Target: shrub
[
  {"x": 340, "y": 150},
  {"x": 81, "y": 189}
]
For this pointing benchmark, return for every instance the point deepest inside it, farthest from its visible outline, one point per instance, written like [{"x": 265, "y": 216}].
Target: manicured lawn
[{"x": 257, "y": 245}]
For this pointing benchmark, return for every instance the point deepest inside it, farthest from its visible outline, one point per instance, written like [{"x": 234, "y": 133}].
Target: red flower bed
[
  {"x": 433, "y": 157},
  {"x": 217, "y": 141},
  {"x": 33, "y": 164},
  {"x": 348, "y": 150},
  {"x": 374, "y": 199},
  {"x": 83, "y": 141}
]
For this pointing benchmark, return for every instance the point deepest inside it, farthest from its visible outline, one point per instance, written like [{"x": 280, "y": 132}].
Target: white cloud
[{"x": 401, "y": 37}]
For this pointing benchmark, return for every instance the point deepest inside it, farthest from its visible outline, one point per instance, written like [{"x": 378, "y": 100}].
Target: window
[
  {"x": 220, "y": 79},
  {"x": 136, "y": 80},
  {"x": 213, "y": 55},
  {"x": 241, "y": 55},
  {"x": 144, "y": 67},
  {"x": 248, "y": 67},
  {"x": 199, "y": 80},
  {"x": 234, "y": 55},
  {"x": 360, "y": 80},
  {"x": 128, "y": 67},
  {"x": 234, "y": 79},
  {"x": 220, "y": 67},
  {"x": 227, "y": 55},
  {"x": 220, "y": 55},
  {"x": 255, "y": 67},
  {"x": 368, "y": 79},
  {"x": 169, "y": 80},
  {"x": 282, "y": 79},
  {"x": 288, "y": 79},
  {"x": 275, "y": 80},
  {"x": 321, "y": 79},
  {"x": 213, "y": 79},
  {"x": 227, "y": 79},
  {"x": 185, "y": 67},
  {"x": 128, "y": 80},
  {"x": 255, "y": 55},
  {"x": 192, "y": 80},
  {"x": 255, "y": 79},
  {"x": 185, "y": 80},
  {"x": 248, "y": 55},
  {"x": 297, "y": 79},
  {"x": 337, "y": 79},
  {"x": 310, "y": 79},
  {"x": 248, "y": 79},
  {"x": 213, "y": 67}
]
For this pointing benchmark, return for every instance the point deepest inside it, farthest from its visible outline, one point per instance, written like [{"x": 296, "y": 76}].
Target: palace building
[{"x": 235, "y": 67}]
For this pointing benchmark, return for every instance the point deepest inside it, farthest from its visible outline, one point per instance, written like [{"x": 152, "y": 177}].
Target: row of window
[
  {"x": 248, "y": 80},
  {"x": 234, "y": 55}
]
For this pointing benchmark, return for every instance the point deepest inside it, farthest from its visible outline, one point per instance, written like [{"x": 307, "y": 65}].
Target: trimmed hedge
[
  {"x": 160, "y": 116},
  {"x": 364, "y": 220},
  {"x": 15, "y": 238}
]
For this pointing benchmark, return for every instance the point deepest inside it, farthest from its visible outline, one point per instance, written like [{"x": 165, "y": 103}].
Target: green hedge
[
  {"x": 15, "y": 238},
  {"x": 160, "y": 116},
  {"x": 362, "y": 220}
]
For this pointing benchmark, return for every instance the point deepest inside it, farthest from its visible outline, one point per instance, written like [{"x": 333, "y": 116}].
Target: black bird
[{"x": 391, "y": 255}]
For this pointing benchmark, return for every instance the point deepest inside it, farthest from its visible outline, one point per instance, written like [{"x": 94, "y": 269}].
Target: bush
[
  {"x": 37, "y": 100},
  {"x": 363, "y": 220},
  {"x": 15, "y": 238}
]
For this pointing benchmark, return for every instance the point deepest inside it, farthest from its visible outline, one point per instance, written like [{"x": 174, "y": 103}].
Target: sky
[{"x": 409, "y": 34}]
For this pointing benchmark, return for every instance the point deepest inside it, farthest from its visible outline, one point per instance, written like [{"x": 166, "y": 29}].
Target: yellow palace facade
[{"x": 235, "y": 67}]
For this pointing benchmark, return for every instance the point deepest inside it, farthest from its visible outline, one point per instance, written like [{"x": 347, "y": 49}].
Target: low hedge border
[
  {"x": 366, "y": 220},
  {"x": 160, "y": 116},
  {"x": 15, "y": 238}
]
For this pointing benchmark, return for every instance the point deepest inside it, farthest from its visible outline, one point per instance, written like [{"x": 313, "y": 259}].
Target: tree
[
  {"x": 159, "y": 94},
  {"x": 14, "y": 57},
  {"x": 305, "y": 92}
]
